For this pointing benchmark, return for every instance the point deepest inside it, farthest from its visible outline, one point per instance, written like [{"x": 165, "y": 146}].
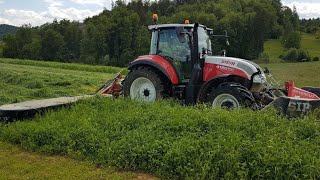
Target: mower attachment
[
  {"x": 298, "y": 103},
  {"x": 29, "y": 109},
  {"x": 112, "y": 87}
]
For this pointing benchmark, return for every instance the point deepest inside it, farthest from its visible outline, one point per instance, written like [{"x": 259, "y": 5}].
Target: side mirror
[{"x": 181, "y": 34}]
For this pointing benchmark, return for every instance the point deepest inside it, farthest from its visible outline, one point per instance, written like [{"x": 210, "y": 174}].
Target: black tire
[
  {"x": 231, "y": 96},
  {"x": 145, "y": 94}
]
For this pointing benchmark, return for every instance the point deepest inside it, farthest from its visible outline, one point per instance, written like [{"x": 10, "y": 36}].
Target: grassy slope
[
  {"x": 303, "y": 74},
  {"x": 20, "y": 164},
  {"x": 309, "y": 42}
]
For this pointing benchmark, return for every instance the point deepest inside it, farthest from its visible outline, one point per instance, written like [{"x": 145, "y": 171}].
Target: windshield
[
  {"x": 204, "y": 41},
  {"x": 176, "y": 52}
]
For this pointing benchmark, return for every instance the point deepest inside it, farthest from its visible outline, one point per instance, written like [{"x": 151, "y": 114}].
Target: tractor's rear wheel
[
  {"x": 231, "y": 96},
  {"x": 143, "y": 84}
]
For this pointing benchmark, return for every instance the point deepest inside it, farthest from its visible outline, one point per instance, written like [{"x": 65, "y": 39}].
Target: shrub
[
  {"x": 303, "y": 55},
  {"x": 315, "y": 59},
  {"x": 296, "y": 55},
  {"x": 291, "y": 55},
  {"x": 292, "y": 40}
]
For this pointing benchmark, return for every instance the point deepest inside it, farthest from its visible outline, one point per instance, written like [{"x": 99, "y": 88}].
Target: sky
[{"x": 37, "y": 12}]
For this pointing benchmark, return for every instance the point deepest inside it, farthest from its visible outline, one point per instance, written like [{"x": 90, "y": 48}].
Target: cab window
[{"x": 176, "y": 52}]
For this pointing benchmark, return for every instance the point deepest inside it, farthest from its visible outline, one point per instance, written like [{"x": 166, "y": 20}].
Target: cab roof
[{"x": 159, "y": 26}]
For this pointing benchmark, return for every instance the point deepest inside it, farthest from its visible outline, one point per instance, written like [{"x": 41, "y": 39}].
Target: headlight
[{"x": 259, "y": 78}]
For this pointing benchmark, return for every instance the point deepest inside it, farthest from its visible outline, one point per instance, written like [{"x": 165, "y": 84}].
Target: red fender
[{"x": 158, "y": 62}]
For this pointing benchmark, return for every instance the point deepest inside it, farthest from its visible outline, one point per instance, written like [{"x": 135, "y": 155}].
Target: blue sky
[{"x": 37, "y": 12}]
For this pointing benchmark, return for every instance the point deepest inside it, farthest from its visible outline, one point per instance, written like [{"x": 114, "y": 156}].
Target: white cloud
[
  {"x": 55, "y": 10},
  {"x": 54, "y": 2},
  {"x": 305, "y": 9},
  {"x": 5, "y": 21},
  {"x": 101, "y": 3},
  {"x": 19, "y": 17}
]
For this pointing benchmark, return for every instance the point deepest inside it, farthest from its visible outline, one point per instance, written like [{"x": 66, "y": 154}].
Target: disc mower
[{"x": 181, "y": 66}]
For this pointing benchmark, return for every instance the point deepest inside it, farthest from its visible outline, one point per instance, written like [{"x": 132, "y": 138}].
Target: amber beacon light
[
  {"x": 155, "y": 18},
  {"x": 187, "y": 21}
]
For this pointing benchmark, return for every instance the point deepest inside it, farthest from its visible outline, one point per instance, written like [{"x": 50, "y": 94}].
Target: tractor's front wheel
[
  {"x": 231, "y": 96},
  {"x": 143, "y": 84}
]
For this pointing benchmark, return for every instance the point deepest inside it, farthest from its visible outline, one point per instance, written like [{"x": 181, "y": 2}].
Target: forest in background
[{"x": 117, "y": 36}]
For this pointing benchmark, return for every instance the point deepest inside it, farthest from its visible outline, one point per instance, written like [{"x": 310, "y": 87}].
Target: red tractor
[{"x": 181, "y": 65}]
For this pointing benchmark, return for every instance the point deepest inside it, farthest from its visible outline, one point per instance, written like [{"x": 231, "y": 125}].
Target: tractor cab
[{"x": 175, "y": 43}]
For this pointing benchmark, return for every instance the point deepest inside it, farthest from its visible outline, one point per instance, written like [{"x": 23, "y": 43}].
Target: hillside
[
  {"x": 308, "y": 42},
  {"x": 7, "y": 29}
]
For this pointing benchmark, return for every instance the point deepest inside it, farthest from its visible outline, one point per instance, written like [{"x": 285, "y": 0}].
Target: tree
[
  {"x": 11, "y": 46},
  {"x": 51, "y": 45},
  {"x": 292, "y": 40},
  {"x": 1, "y": 49}
]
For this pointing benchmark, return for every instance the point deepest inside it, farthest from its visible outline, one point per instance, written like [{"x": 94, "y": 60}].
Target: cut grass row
[
  {"x": 67, "y": 66},
  {"x": 173, "y": 141},
  {"x": 25, "y": 82}
]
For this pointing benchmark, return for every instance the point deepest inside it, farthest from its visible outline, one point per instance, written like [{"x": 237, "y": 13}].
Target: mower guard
[
  {"x": 298, "y": 102},
  {"x": 294, "y": 107}
]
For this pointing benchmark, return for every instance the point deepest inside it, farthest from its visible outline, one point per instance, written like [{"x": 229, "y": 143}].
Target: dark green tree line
[{"x": 116, "y": 37}]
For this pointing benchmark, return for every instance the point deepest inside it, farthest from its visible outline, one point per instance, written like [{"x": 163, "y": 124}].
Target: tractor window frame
[
  {"x": 203, "y": 34},
  {"x": 183, "y": 72}
]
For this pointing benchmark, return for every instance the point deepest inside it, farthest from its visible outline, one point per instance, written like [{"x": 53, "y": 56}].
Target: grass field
[
  {"x": 16, "y": 163},
  {"x": 20, "y": 82},
  {"x": 303, "y": 74},
  {"x": 164, "y": 138},
  {"x": 308, "y": 42}
]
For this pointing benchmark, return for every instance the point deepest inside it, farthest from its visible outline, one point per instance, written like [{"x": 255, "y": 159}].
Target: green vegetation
[
  {"x": 117, "y": 36},
  {"x": 308, "y": 42},
  {"x": 183, "y": 142},
  {"x": 16, "y": 163},
  {"x": 163, "y": 138},
  {"x": 311, "y": 44},
  {"x": 25, "y": 82},
  {"x": 67, "y": 66},
  {"x": 274, "y": 49},
  {"x": 303, "y": 74},
  {"x": 6, "y": 29}
]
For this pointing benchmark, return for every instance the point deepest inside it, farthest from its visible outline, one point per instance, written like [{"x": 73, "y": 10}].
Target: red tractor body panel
[
  {"x": 299, "y": 93},
  {"x": 163, "y": 63},
  {"x": 214, "y": 70}
]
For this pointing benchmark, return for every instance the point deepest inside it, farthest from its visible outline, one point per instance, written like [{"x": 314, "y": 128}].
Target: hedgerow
[{"x": 176, "y": 142}]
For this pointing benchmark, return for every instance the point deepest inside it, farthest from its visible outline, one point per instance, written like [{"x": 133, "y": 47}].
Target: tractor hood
[
  {"x": 240, "y": 65},
  {"x": 246, "y": 66}
]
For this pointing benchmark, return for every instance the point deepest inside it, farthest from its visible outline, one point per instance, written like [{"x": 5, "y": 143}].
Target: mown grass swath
[
  {"x": 175, "y": 141},
  {"x": 68, "y": 66},
  {"x": 26, "y": 82}
]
